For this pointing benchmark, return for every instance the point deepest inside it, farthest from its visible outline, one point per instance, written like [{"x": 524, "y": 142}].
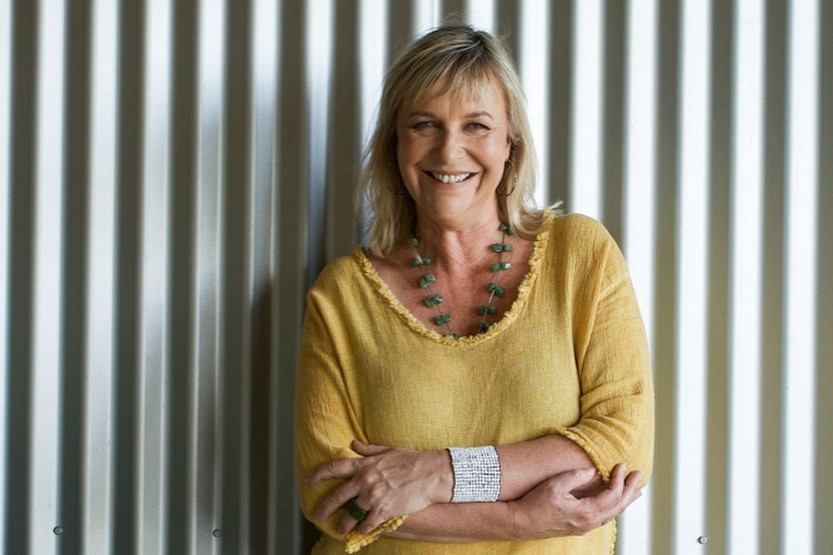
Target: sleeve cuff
[
  {"x": 594, "y": 457},
  {"x": 355, "y": 540}
]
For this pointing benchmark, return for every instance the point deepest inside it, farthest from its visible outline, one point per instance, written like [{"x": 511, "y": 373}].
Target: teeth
[{"x": 445, "y": 178}]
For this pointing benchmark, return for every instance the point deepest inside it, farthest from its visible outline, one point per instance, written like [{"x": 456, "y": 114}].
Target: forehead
[{"x": 467, "y": 94}]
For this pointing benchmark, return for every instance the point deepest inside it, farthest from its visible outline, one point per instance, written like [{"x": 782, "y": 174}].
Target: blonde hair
[{"x": 463, "y": 59}]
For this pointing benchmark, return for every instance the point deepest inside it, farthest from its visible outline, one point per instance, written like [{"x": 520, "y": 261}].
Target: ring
[{"x": 352, "y": 507}]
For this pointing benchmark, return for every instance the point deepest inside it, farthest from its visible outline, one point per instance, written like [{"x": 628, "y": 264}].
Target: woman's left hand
[{"x": 386, "y": 482}]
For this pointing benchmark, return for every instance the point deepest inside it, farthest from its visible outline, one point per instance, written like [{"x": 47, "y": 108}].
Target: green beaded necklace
[{"x": 434, "y": 299}]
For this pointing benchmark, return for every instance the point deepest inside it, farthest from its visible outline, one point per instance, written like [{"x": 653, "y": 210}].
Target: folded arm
[
  {"x": 548, "y": 510},
  {"x": 542, "y": 495},
  {"x": 391, "y": 481}
]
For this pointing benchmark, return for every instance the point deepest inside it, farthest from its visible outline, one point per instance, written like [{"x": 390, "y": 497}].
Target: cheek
[
  {"x": 497, "y": 152},
  {"x": 402, "y": 156},
  {"x": 407, "y": 150},
  {"x": 407, "y": 158}
]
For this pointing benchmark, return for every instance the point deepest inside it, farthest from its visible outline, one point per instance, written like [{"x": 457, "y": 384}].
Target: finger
[
  {"x": 629, "y": 485},
  {"x": 617, "y": 476},
  {"x": 365, "y": 526},
  {"x": 338, "y": 468},
  {"x": 616, "y": 481},
  {"x": 620, "y": 493},
  {"x": 352, "y": 516},
  {"x": 631, "y": 490},
  {"x": 374, "y": 519},
  {"x": 346, "y": 524},
  {"x": 634, "y": 479},
  {"x": 336, "y": 500},
  {"x": 367, "y": 449}
]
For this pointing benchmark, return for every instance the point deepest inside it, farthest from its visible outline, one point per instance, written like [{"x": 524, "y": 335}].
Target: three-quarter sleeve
[
  {"x": 613, "y": 361},
  {"x": 325, "y": 420}
]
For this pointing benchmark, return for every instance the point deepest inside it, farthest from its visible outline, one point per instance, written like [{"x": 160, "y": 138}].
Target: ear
[{"x": 510, "y": 146}]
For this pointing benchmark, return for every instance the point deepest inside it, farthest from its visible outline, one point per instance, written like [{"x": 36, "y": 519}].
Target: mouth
[{"x": 449, "y": 178}]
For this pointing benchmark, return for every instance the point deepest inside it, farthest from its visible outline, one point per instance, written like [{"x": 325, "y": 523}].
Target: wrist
[
  {"x": 444, "y": 475},
  {"x": 518, "y": 521}
]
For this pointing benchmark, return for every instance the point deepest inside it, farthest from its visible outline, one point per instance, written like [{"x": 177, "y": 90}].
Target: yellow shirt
[{"x": 570, "y": 357}]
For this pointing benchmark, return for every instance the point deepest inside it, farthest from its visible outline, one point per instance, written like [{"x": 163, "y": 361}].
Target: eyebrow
[{"x": 477, "y": 114}]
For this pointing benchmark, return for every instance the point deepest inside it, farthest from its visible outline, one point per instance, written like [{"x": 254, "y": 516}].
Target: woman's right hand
[
  {"x": 552, "y": 509},
  {"x": 385, "y": 482}
]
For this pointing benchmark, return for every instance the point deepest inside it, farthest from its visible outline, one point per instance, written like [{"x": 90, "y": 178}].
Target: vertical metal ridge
[
  {"x": 400, "y": 25},
  {"x": 153, "y": 385},
  {"x": 207, "y": 419},
  {"x": 6, "y": 81},
  {"x": 131, "y": 108},
  {"x": 508, "y": 25},
  {"x": 454, "y": 11},
  {"x": 718, "y": 312},
  {"x": 294, "y": 268},
  {"x": 666, "y": 295},
  {"x": 344, "y": 131},
  {"x": 824, "y": 285},
  {"x": 74, "y": 379},
  {"x": 771, "y": 514},
  {"x": 236, "y": 361},
  {"x": 562, "y": 34},
  {"x": 182, "y": 288},
  {"x": 319, "y": 82},
  {"x": 263, "y": 390},
  {"x": 18, "y": 421},
  {"x": 613, "y": 124}
]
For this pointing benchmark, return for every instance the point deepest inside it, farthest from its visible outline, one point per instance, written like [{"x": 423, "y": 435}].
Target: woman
[{"x": 477, "y": 379}]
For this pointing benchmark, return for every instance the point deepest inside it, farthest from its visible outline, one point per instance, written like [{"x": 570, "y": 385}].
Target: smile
[{"x": 450, "y": 178}]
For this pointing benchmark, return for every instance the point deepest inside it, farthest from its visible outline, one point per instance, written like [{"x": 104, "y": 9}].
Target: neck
[
  {"x": 457, "y": 250},
  {"x": 464, "y": 269}
]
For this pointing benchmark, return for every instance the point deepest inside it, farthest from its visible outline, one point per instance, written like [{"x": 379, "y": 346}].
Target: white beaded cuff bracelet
[{"x": 476, "y": 474}]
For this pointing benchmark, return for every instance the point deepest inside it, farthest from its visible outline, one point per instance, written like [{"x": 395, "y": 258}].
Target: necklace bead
[
  {"x": 426, "y": 280},
  {"x": 433, "y": 300},
  {"x": 496, "y": 289},
  {"x": 443, "y": 319},
  {"x": 502, "y": 247}
]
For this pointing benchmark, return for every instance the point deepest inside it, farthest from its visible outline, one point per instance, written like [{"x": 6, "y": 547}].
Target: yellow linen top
[{"x": 570, "y": 357}]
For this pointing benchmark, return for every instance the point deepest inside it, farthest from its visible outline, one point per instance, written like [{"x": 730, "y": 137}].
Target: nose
[{"x": 449, "y": 146}]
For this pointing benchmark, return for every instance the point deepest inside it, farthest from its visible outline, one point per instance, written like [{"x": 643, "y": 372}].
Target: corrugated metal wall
[{"x": 175, "y": 173}]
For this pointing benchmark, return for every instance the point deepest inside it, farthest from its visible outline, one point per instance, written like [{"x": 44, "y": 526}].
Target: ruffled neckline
[{"x": 416, "y": 325}]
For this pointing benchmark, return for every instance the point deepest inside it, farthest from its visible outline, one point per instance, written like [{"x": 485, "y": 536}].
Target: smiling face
[{"x": 452, "y": 148}]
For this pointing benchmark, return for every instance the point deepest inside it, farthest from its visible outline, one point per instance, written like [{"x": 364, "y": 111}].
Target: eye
[
  {"x": 423, "y": 125},
  {"x": 478, "y": 126}
]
